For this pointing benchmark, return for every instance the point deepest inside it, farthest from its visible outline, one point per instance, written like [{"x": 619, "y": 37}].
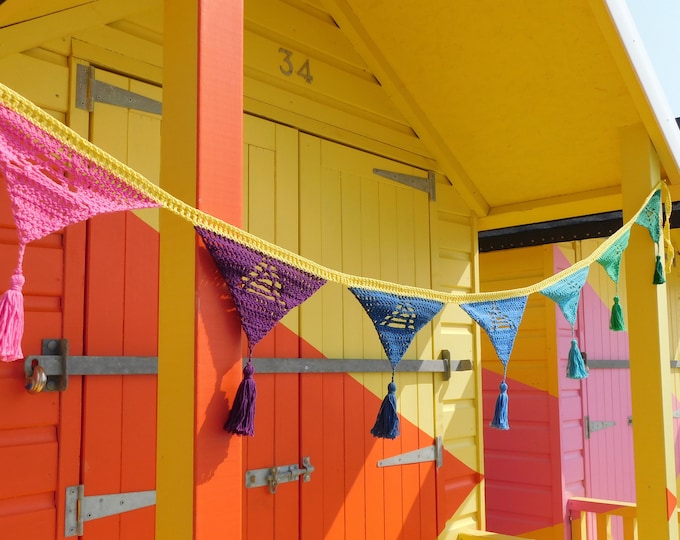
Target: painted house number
[{"x": 288, "y": 68}]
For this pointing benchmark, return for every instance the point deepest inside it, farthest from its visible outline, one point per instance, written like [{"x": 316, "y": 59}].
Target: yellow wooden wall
[{"x": 344, "y": 103}]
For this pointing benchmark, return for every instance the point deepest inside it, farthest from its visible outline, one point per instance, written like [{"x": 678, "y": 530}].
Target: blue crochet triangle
[
  {"x": 611, "y": 259},
  {"x": 566, "y": 293},
  {"x": 500, "y": 319},
  {"x": 650, "y": 216},
  {"x": 396, "y": 318}
]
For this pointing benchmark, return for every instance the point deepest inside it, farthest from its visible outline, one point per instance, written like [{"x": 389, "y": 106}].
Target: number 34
[{"x": 287, "y": 67}]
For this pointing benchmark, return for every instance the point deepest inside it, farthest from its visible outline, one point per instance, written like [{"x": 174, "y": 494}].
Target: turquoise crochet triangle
[
  {"x": 650, "y": 216},
  {"x": 566, "y": 293},
  {"x": 611, "y": 259},
  {"x": 396, "y": 318},
  {"x": 500, "y": 319}
]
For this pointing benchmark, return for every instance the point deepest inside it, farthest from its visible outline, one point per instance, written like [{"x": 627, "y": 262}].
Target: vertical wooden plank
[
  {"x": 103, "y": 396},
  {"x": 393, "y": 510},
  {"x": 140, "y": 338},
  {"x": 370, "y": 250},
  {"x": 332, "y": 336},
  {"x": 311, "y": 386},
  {"x": 352, "y": 313}
]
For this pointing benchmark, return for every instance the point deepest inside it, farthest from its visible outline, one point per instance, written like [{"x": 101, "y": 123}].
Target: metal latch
[
  {"x": 80, "y": 509},
  {"x": 430, "y": 453},
  {"x": 274, "y": 476},
  {"x": 49, "y": 372},
  {"x": 591, "y": 426}
]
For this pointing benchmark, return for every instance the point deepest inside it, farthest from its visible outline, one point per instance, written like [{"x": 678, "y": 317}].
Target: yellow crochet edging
[{"x": 68, "y": 137}]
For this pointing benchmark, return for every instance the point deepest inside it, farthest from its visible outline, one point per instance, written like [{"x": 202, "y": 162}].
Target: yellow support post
[
  {"x": 650, "y": 374},
  {"x": 199, "y": 467}
]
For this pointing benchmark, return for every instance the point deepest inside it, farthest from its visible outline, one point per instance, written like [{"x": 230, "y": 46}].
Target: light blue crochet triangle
[
  {"x": 650, "y": 216},
  {"x": 611, "y": 259},
  {"x": 396, "y": 318},
  {"x": 500, "y": 319},
  {"x": 566, "y": 293}
]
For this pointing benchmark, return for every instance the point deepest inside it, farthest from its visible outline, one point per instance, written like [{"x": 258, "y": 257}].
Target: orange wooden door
[
  {"x": 121, "y": 319},
  {"x": 40, "y": 433},
  {"x": 322, "y": 200}
]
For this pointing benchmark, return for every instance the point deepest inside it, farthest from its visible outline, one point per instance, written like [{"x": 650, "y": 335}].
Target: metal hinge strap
[
  {"x": 422, "y": 455},
  {"x": 590, "y": 426},
  {"x": 80, "y": 509},
  {"x": 90, "y": 91},
  {"x": 428, "y": 185}
]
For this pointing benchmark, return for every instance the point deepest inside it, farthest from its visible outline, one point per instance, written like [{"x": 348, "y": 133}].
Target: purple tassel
[
  {"x": 241, "y": 419},
  {"x": 500, "y": 415},
  {"x": 12, "y": 320},
  {"x": 387, "y": 423}
]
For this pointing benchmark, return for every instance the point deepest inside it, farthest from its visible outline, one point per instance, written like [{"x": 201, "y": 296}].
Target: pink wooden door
[{"x": 606, "y": 396}]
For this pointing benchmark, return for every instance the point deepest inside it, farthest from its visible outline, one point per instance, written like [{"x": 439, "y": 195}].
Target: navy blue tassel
[
  {"x": 658, "y": 272},
  {"x": 576, "y": 367},
  {"x": 500, "y": 415},
  {"x": 387, "y": 423},
  {"x": 241, "y": 419}
]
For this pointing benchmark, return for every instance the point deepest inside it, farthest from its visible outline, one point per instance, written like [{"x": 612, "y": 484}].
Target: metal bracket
[
  {"x": 428, "y": 185},
  {"x": 58, "y": 365},
  {"x": 274, "y": 476},
  {"x": 422, "y": 455},
  {"x": 80, "y": 509},
  {"x": 90, "y": 91},
  {"x": 591, "y": 426}
]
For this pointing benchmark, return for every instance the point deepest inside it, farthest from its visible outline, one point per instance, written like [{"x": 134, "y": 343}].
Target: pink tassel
[{"x": 12, "y": 320}]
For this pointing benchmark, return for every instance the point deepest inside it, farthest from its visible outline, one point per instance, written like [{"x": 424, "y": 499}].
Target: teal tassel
[
  {"x": 387, "y": 423},
  {"x": 500, "y": 414},
  {"x": 576, "y": 368},
  {"x": 659, "y": 279},
  {"x": 616, "y": 320}
]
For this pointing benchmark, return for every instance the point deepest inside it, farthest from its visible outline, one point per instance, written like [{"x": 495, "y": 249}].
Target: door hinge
[
  {"x": 80, "y": 508},
  {"x": 55, "y": 365},
  {"x": 428, "y": 185},
  {"x": 590, "y": 426},
  {"x": 422, "y": 455},
  {"x": 90, "y": 91},
  {"x": 273, "y": 476}
]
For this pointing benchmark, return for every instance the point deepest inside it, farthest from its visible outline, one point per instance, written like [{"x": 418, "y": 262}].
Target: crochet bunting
[
  {"x": 650, "y": 216},
  {"x": 397, "y": 319},
  {"x": 500, "y": 319},
  {"x": 50, "y": 185},
  {"x": 264, "y": 289},
  {"x": 566, "y": 293},
  {"x": 611, "y": 259}
]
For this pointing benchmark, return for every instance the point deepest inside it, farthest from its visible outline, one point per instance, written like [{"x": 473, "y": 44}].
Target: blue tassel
[
  {"x": 576, "y": 367},
  {"x": 387, "y": 423},
  {"x": 241, "y": 419},
  {"x": 500, "y": 415},
  {"x": 658, "y": 272}
]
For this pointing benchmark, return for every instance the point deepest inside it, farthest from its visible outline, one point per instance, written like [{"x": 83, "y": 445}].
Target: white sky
[{"x": 658, "y": 22}]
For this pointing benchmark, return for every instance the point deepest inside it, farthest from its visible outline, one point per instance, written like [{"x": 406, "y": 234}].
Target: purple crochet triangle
[{"x": 264, "y": 288}]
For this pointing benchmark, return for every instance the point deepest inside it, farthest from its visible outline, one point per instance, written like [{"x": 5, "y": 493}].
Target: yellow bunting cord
[{"x": 68, "y": 137}]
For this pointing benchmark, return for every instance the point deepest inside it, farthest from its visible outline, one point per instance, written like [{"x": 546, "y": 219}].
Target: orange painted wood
[
  {"x": 355, "y": 459},
  {"x": 375, "y": 485},
  {"x": 287, "y": 432},
  {"x": 103, "y": 396},
  {"x": 218, "y": 459},
  {"x": 140, "y": 334}
]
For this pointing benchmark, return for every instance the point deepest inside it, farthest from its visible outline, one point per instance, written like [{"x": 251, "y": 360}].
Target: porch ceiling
[{"x": 520, "y": 102}]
